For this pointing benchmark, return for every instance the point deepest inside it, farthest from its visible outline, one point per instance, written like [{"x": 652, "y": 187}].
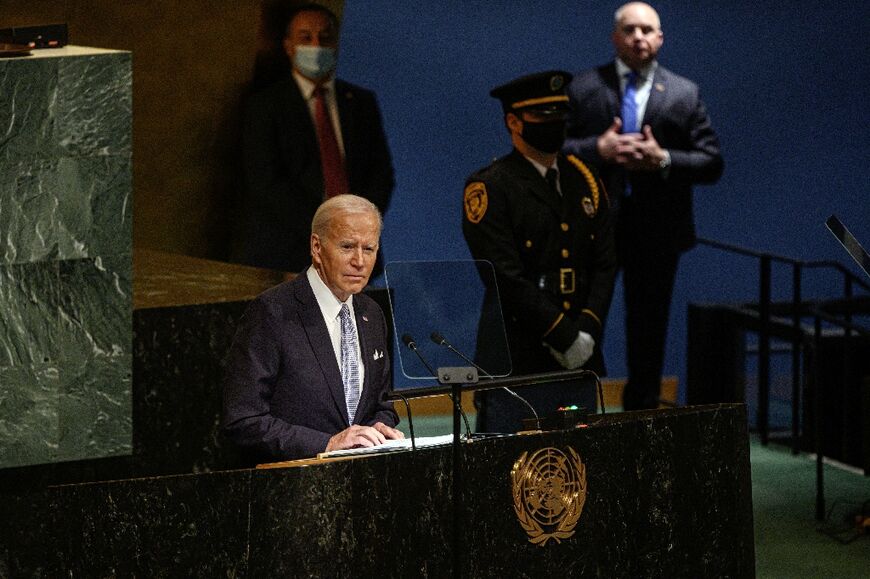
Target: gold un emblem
[{"x": 549, "y": 493}]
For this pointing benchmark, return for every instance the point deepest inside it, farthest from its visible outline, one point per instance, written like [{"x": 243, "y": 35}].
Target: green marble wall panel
[
  {"x": 28, "y": 210},
  {"x": 29, "y": 426},
  {"x": 94, "y": 105},
  {"x": 95, "y": 408},
  {"x": 95, "y": 217},
  {"x": 65, "y": 256},
  {"x": 95, "y": 316},
  {"x": 29, "y": 313},
  {"x": 28, "y": 94}
]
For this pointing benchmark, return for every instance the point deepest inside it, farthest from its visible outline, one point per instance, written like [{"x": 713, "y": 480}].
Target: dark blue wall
[{"x": 785, "y": 83}]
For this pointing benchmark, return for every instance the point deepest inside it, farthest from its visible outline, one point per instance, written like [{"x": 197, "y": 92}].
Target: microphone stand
[
  {"x": 442, "y": 341},
  {"x": 410, "y": 421},
  {"x": 456, "y": 377},
  {"x": 408, "y": 340}
]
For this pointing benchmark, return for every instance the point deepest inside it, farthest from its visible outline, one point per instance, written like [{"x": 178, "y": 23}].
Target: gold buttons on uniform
[
  {"x": 566, "y": 306},
  {"x": 528, "y": 243},
  {"x": 565, "y": 227},
  {"x": 565, "y": 253},
  {"x": 592, "y": 236}
]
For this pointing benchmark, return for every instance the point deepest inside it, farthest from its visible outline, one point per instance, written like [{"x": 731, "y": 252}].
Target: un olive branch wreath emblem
[{"x": 549, "y": 491}]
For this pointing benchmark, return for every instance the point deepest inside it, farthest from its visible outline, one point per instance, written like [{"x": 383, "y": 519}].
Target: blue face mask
[{"x": 315, "y": 62}]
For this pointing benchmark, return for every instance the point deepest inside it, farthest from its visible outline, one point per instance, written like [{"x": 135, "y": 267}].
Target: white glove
[{"x": 577, "y": 353}]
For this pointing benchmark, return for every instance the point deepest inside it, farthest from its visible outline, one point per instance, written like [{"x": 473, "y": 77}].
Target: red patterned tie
[{"x": 334, "y": 176}]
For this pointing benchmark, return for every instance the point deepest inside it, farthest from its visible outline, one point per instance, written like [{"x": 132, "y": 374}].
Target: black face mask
[{"x": 545, "y": 137}]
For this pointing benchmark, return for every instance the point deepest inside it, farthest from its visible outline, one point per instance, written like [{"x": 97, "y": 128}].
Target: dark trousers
[{"x": 648, "y": 274}]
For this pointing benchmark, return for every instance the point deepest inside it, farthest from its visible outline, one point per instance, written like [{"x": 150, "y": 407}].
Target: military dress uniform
[{"x": 555, "y": 265}]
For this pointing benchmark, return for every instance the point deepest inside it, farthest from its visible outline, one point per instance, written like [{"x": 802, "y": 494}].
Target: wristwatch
[{"x": 665, "y": 163}]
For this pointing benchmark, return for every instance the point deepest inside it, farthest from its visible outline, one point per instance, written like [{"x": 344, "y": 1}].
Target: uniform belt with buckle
[
  {"x": 566, "y": 280},
  {"x": 562, "y": 282}
]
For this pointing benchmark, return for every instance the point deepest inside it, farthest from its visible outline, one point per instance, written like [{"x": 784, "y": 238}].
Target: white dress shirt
[
  {"x": 330, "y": 307},
  {"x": 543, "y": 171}
]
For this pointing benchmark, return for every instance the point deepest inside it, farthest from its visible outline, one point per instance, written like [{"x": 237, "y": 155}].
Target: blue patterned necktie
[
  {"x": 629, "y": 104},
  {"x": 349, "y": 363}
]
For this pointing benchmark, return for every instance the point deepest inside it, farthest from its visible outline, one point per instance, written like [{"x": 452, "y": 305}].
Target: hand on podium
[
  {"x": 577, "y": 353},
  {"x": 358, "y": 435}
]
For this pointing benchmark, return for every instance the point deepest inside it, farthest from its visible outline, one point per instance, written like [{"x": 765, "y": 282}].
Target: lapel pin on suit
[
  {"x": 660, "y": 87},
  {"x": 365, "y": 319},
  {"x": 378, "y": 354}
]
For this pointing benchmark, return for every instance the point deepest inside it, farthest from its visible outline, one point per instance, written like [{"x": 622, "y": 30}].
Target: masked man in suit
[
  {"x": 308, "y": 369},
  {"x": 648, "y": 131},
  {"x": 306, "y": 138}
]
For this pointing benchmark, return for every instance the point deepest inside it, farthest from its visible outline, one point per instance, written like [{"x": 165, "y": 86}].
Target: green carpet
[{"x": 787, "y": 543}]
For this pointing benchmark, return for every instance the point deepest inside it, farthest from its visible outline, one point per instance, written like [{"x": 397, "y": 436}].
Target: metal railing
[
  {"x": 797, "y": 311},
  {"x": 835, "y": 312}
]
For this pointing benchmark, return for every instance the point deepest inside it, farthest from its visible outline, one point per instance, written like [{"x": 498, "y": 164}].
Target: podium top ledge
[
  {"x": 68, "y": 50},
  {"x": 162, "y": 279}
]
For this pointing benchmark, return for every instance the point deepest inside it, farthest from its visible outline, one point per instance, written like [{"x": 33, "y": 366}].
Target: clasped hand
[
  {"x": 577, "y": 353},
  {"x": 358, "y": 435},
  {"x": 634, "y": 151}
]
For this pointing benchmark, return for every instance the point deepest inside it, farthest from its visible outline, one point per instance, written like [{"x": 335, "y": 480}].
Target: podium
[{"x": 665, "y": 493}]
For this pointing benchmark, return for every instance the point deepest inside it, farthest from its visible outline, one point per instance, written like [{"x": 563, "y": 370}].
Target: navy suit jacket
[
  {"x": 660, "y": 208},
  {"x": 283, "y": 394},
  {"x": 283, "y": 179}
]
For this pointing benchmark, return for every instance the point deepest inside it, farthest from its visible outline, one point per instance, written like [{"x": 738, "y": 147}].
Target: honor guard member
[{"x": 542, "y": 219}]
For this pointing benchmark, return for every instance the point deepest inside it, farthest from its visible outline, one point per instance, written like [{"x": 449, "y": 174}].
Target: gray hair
[{"x": 348, "y": 204}]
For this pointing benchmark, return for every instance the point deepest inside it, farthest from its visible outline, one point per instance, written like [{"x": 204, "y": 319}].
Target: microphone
[
  {"x": 442, "y": 341},
  {"x": 408, "y": 339}
]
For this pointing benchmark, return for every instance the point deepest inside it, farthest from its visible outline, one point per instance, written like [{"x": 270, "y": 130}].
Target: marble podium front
[{"x": 668, "y": 495}]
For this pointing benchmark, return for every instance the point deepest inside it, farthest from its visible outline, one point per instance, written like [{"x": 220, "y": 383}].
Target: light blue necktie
[
  {"x": 629, "y": 104},
  {"x": 629, "y": 116},
  {"x": 349, "y": 363}
]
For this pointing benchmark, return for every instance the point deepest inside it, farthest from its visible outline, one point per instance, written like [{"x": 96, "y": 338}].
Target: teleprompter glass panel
[{"x": 442, "y": 311}]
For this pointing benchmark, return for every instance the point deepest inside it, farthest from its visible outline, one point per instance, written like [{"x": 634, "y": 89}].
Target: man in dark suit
[
  {"x": 306, "y": 138},
  {"x": 543, "y": 220},
  {"x": 308, "y": 369},
  {"x": 648, "y": 131}
]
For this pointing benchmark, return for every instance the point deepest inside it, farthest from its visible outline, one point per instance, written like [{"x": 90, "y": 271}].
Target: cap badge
[{"x": 556, "y": 82}]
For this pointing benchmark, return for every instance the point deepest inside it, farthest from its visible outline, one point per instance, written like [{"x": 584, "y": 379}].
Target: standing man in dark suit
[
  {"x": 306, "y": 138},
  {"x": 543, "y": 220},
  {"x": 648, "y": 131},
  {"x": 308, "y": 369}
]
